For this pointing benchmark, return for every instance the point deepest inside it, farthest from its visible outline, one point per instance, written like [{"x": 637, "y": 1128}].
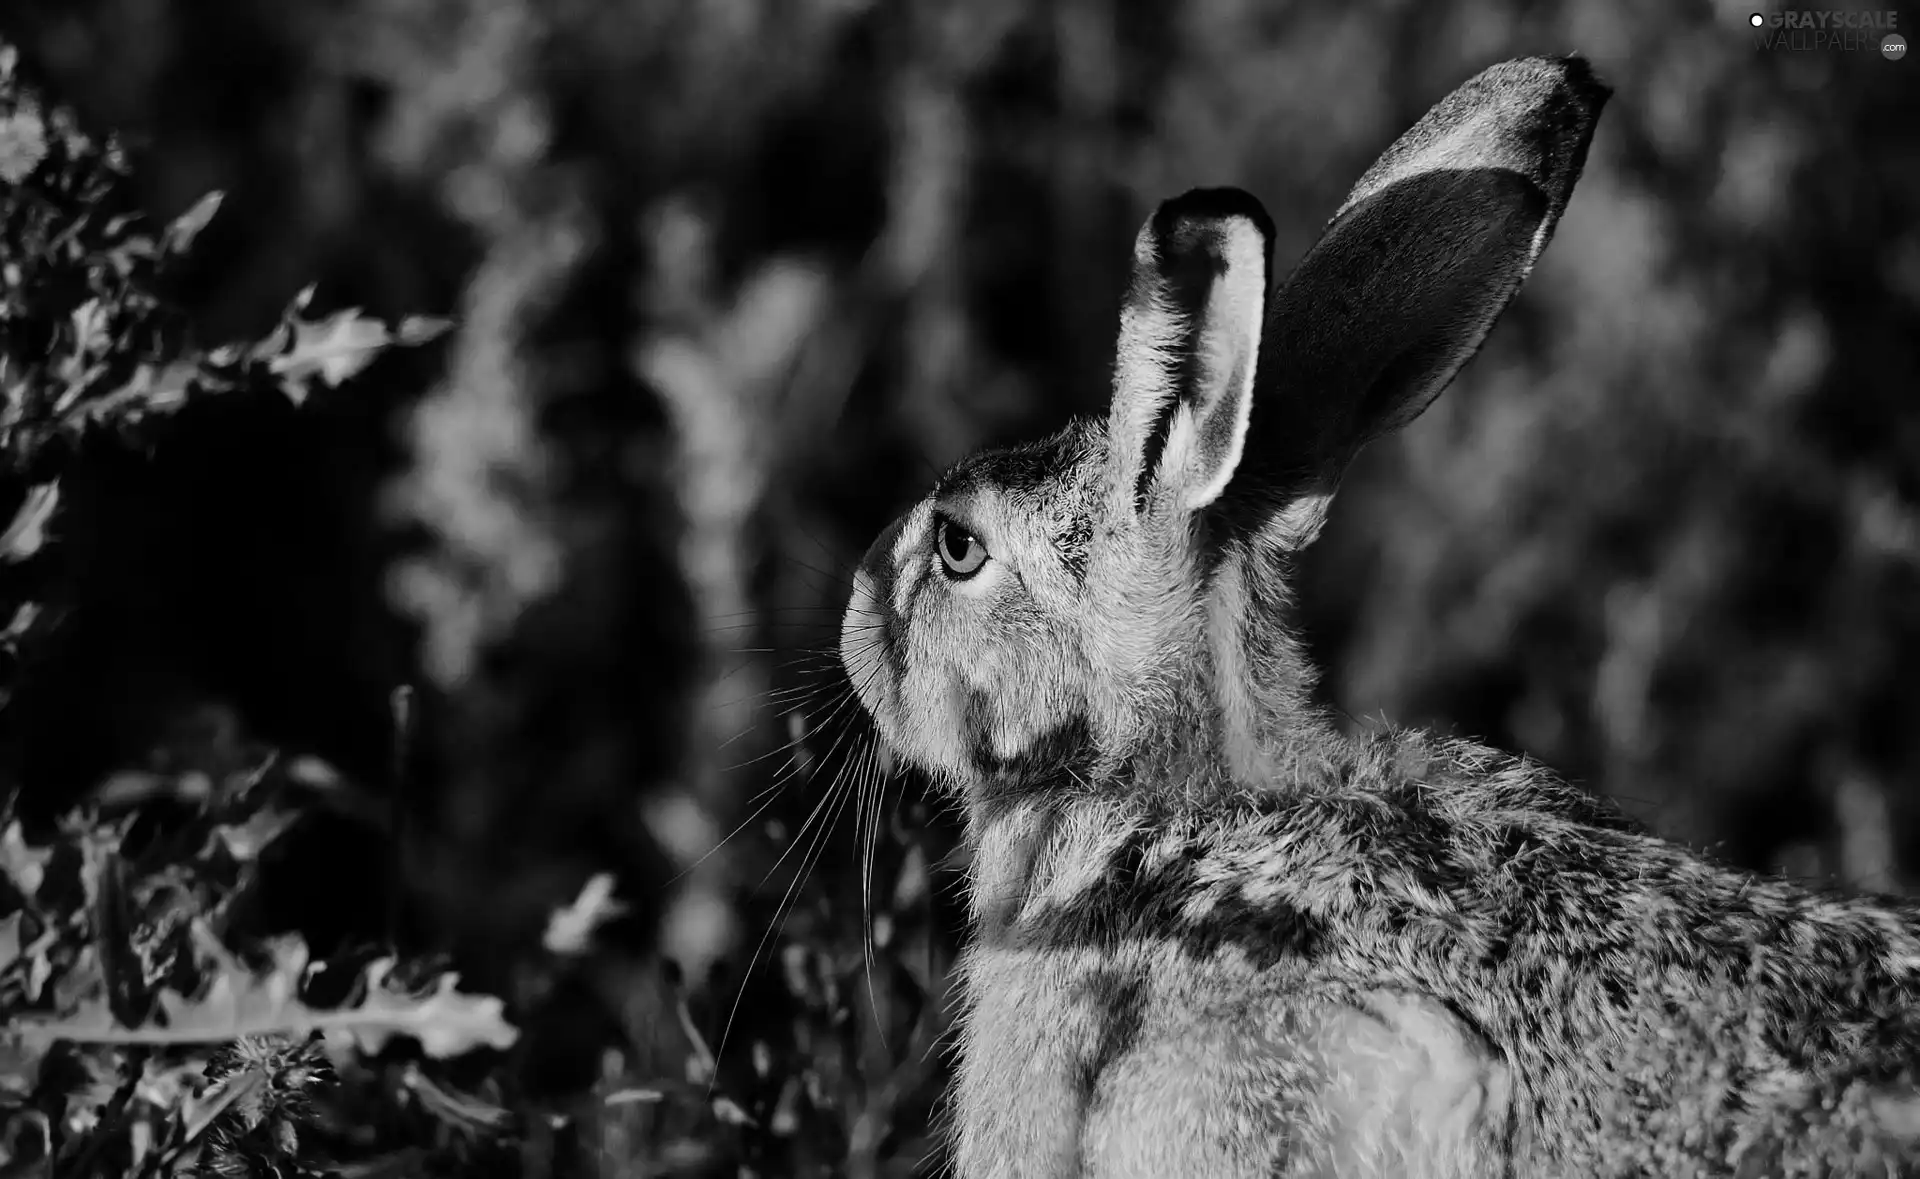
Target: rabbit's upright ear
[
  {"x": 1408, "y": 278},
  {"x": 1189, "y": 344}
]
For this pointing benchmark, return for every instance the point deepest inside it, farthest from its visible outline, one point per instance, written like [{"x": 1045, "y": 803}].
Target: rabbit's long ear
[
  {"x": 1408, "y": 278},
  {"x": 1189, "y": 345}
]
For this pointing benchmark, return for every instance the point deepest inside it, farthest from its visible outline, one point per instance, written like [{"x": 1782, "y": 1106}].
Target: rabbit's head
[{"x": 1110, "y": 600}]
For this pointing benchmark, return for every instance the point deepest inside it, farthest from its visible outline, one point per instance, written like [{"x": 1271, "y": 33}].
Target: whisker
[
  {"x": 784, "y": 747},
  {"x": 807, "y": 859},
  {"x": 769, "y": 794},
  {"x": 838, "y": 580},
  {"x": 795, "y": 765},
  {"x": 811, "y": 858},
  {"x": 787, "y": 615},
  {"x": 873, "y": 791},
  {"x": 818, "y": 671},
  {"x": 832, "y": 786},
  {"x": 833, "y": 556},
  {"x": 765, "y": 611},
  {"x": 851, "y": 696}
]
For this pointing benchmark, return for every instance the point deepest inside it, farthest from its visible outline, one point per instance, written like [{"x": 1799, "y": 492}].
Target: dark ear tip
[
  {"x": 1586, "y": 85},
  {"x": 1571, "y": 76},
  {"x": 1204, "y": 206}
]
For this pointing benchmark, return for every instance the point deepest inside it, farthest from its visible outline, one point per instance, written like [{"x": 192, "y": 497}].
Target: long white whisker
[{"x": 808, "y": 859}]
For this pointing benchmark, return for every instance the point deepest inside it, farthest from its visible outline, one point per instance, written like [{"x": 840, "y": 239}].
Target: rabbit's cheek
[{"x": 915, "y": 730}]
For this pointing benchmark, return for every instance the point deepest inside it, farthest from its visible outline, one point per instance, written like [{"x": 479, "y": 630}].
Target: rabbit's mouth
[{"x": 873, "y": 653}]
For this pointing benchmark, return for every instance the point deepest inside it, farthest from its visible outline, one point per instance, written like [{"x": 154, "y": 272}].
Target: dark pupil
[{"x": 958, "y": 543}]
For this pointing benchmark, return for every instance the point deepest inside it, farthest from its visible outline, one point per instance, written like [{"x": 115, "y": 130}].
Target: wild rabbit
[{"x": 1216, "y": 935}]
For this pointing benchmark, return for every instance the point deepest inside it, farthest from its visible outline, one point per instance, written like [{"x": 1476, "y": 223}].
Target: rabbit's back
[{"x": 1418, "y": 965}]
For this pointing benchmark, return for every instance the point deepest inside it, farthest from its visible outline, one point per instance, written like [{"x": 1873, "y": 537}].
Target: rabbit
[{"x": 1214, "y": 933}]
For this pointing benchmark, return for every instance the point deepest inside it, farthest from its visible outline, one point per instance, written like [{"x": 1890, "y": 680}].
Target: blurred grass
[{"x": 732, "y": 279}]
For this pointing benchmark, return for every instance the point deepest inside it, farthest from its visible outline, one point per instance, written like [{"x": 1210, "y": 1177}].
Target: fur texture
[{"x": 1216, "y": 936}]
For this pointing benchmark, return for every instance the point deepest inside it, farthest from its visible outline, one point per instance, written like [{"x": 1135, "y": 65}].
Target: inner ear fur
[{"x": 1188, "y": 349}]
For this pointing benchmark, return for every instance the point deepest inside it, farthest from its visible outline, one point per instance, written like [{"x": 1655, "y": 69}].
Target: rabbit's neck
[
  {"x": 1037, "y": 852},
  {"x": 1047, "y": 848},
  {"x": 1044, "y": 848},
  {"x": 1257, "y": 680}
]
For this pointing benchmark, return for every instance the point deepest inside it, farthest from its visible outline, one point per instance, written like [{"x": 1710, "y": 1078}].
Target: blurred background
[{"x": 733, "y": 278}]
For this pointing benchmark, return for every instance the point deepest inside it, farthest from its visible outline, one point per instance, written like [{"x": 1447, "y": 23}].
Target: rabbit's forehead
[{"x": 1043, "y": 486}]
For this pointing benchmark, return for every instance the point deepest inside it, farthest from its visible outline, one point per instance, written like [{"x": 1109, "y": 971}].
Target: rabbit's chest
[
  {"x": 1030, "y": 1055},
  {"x": 1117, "y": 1062},
  {"x": 1084, "y": 1062}
]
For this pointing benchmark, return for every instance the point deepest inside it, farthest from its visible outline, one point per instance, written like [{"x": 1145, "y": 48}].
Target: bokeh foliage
[{"x": 731, "y": 279}]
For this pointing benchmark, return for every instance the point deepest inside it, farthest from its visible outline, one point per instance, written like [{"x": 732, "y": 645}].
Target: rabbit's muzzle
[{"x": 873, "y": 638}]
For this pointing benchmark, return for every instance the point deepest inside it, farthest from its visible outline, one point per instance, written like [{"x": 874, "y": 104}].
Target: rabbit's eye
[{"x": 960, "y": 551}]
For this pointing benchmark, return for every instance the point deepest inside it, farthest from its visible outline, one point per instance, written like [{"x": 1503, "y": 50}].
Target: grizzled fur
[{"x": 1217, "y": 936}]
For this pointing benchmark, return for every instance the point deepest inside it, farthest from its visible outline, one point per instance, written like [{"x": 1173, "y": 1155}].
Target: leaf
[
  {"x": 169, "y": 1084},
  {"x": 730, "y": 1114},
  {"x": 23, "y": 144},
  {"x": 9, "y": 940},
  {"x": 570, "y": 927},
  {"x": 238, "y": 1003},
  {"x": 19, "y": 1068},
  {"x": 82, "y": 984},
  {"x": 336, "y": 347},
  {"x": 28, "y": 532},
  {"x": 139, "y": 1145},
  {"x": 40, "y": 962},
  {"x": 91, "y": 323},
  {"x": 179, "y": 235},
  {"x": 332, "y": 349},
  {"x": 245, "y": 841},
  {"x": 94, "y": 1090},
  {"x": 242, "y": 1089},
  {"x": 113, "y": 933},
  {"x": 453, "y": 1106},
  {"x": 421, "y": 329},
  {"x": 99, "y": 846},
  {"x": 445, "y": 1021},
  {"x": 152, "y": 389},
  {"x": 128, "y": 788},
  {"x": 23, "y": 865},
  {"x": 23, "y": 620}
]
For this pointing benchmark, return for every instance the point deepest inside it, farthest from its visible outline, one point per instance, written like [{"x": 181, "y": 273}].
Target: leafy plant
[
  {"x": 152, "y": 1028},
  {"x": 91, "y": 346},
  {"x": 139, "y": 1035},
  {"x": 148, "y": 1027}
]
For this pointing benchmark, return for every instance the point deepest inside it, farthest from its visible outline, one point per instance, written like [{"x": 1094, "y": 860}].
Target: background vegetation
[{"x": 727, "y": 281}]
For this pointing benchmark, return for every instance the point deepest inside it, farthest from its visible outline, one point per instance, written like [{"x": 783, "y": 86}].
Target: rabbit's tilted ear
[
  {"x": 1408, "y": 278},
  {"x": 1189, "y": 344}
]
